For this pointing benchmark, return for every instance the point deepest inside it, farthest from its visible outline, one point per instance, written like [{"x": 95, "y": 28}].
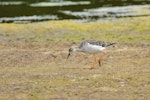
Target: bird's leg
[
  {"x": 94, "y": 61},
  {"x": 100, "y": 58}
]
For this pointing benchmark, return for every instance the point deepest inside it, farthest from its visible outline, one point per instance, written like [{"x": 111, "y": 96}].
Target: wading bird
[{"x": 92, "y": 46}]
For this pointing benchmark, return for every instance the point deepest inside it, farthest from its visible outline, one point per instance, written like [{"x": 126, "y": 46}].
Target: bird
[{"x": 92, "y": 46}]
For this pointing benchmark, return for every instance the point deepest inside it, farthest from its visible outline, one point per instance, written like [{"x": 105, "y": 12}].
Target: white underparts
[{"x": 90, "y": 48}]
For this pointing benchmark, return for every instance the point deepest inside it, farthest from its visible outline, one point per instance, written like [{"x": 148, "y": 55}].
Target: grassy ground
[{"x": 33, "y": 62}]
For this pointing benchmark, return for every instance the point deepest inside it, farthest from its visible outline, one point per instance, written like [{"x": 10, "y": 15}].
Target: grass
[
  {"x": 34, "y": 67},
  {"x": 54, "y": 31}
]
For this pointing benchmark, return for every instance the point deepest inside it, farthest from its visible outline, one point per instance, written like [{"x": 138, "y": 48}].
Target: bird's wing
[
  {"x": 96, "y": 42},
  {"x": 93, "y": 42}
]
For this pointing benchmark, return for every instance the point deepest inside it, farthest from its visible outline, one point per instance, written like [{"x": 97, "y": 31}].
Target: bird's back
[{"x": 96, "y": 42}]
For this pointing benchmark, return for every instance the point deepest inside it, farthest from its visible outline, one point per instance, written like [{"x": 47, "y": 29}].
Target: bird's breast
[{"x": 90, "y": 48}]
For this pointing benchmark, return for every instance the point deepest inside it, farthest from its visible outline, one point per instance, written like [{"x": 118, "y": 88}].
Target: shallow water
[{"x": 88, "y": 10}]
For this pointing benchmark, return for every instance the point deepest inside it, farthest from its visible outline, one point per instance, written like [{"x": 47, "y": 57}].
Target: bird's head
[{"x": 72, "y": 49}]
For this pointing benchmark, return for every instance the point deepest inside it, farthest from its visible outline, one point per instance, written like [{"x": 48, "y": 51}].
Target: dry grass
[{"x": 33, "y": 61}]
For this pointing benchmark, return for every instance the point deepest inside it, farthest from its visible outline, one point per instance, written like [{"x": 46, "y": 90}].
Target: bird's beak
[{"x": 68, "y": 55}]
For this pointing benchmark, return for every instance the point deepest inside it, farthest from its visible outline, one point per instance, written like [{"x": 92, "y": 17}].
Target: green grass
[{"x": 122, "y": 30}]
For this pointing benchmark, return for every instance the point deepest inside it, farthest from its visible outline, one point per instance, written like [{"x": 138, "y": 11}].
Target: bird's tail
[{"x": 110, "y": 43}]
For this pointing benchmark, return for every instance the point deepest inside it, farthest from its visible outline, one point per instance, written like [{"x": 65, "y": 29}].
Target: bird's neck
[{"x": 77, "y": 49}]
